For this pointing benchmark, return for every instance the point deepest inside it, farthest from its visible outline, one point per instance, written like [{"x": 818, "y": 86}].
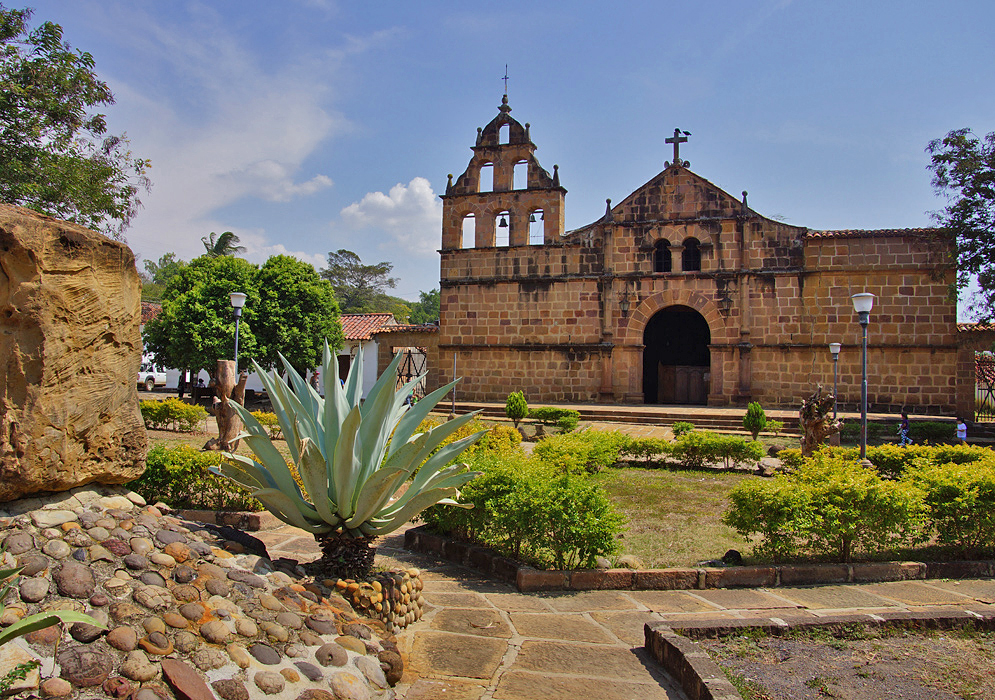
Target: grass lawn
[{"x": 675, "y": 516}]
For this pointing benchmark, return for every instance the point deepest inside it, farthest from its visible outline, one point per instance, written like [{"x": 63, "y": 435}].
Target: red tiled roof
[
  {"x": 150, "y": 309},
  {"x": 873, "y": 233},
  {"x": 363, "y": 326},
  {"x": 410, "y": 327}
]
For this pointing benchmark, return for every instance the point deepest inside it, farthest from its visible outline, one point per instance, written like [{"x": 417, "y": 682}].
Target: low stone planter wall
[
  {"x": 394, "y": 597},
  {"x": 528, "y": 579}
]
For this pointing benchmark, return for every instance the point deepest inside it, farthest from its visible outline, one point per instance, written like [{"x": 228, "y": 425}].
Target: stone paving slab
[
  {"x": 458, "y": 599},
  {"x": 460, "y": 655},
  {"x": 744, "y": 598},
  {"x": 574, "y": 628},
  {"x": 624, "y": 624},
  {"x": 982, "y": 591},
  {"x": 672, "y": 601},
  {"x": 915, "y": 593},
  {"x": 834, "y": 597},
  {"x": 584, "y": 601},
  {"x": 518, "y": 602},
  {"x": 450, "y": 689},
  {"x": 480, "y": 623},
  {"x": 522, "y": 685},
  {"x": 590, "y": 660}
]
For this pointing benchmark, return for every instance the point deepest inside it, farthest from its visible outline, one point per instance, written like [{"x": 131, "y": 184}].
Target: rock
[
  {"x": 310, "y": 638},
  {"x": 229, "y": 689},
  {"x": 192, "y": 611},
  {"x": 19, "y": 543},
  {"x": 322, "y": 625},
  {"x": 315, "y": 694},
  {"x": 265, "y": 654},
  {"x": 275, "y": 632},
  {"x": 371, "y": 669},
  {"x": 51, "y": 518},
  {"x": 152, "y": 578},
  {"x": 33, "y": 590},
  {"x": 126, "y": 612},
  {"x": 331, "y": 655},
  {"x": 74, "y": 580},
  {"x": 216, "y": 586},
  {"x": 137, "y": 667},
  {"x": 117, "y": 547},
  {"x": 154, "y": 624},
  {"x": 99, "y": 533},
  {"x": 630, "y": 561},
  {"x": 290, "y": 620},
  {"x": 99, "y": 600},
  {"x": 178, "y": 551},
  {"x": 123, "y": 639},
  {"x": 185, "y": 642},
  {"x": 167, "y": 537},
  {"x": 239, "y": 655},
  {"x": 151, "y": 692},
  {"x": 357, "y": 630},
  {"x": 57, "y": 549},
  {"x": 602, "y": 563},
  {"x": 184, "y": 574},
  {"x": 394, "y": 663},
  {"x": 136, "y": 562},
  {"x": 175, "y": 621},
  {"x": 269, "y": 682},
  {"x": 310, "y": 671},
  {"x": 208, "y": 658},
  {"x": 71, "y": 324},
  {"x": 152, "y": 597},
  {"x": 186, "y": 593},
  {"x": 270, "y": 602},
  {"x": 291, "y": 675},
  {"x": 140, "y": 545},
  {"x": 117, "y": 687},
  {"x": 156, "y": 643},
  {"x": 45, "y": 636},
  {"x": 85, "y": 667},
  {"x": 211, "y": 570},
  {"x": 160, "y": 559},
  {"x": 12, "y": 656},
  {"x": 55, "y": 688},
  {"x": 215, "y": 632},
  {"x": 247, "y": 578},
  {"x": 351, "y": 643},
  {"x": 33, "y": 564},
  {"x": 84, "y": 632},
  {"x": 100, "y": 553},
  {"x": 346, "y": 686},
  {"x": 79, "y": 554},
  {"x": 185, "y": 681}
]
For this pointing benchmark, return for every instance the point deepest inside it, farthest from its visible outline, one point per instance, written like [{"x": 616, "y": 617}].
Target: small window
[
  {"x": 504, "y": 134},
  {"x": 662, "y": 260},
  {"x": 537, "y": 231},
  {"x": 691, "y": 258},
  {"x": 469, "y": 231},
  {"x": 521, "y": 176},
  {"x": 486, "y": 182},
  {"x": 502, "y": 230}
]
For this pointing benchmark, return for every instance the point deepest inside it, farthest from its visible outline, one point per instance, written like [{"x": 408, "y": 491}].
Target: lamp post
[
  {"x": 834, "y": 348},
  {"x": 862, "y": 304},
  {"x": 237, "y": 302}
]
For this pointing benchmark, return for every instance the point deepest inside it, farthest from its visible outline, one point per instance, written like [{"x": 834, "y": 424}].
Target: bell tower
[{"x": 504, "y": 197}]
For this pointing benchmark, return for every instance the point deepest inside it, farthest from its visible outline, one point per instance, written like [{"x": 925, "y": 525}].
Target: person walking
[
  {"x": 961, "y": 431},
  {"x": 903, "y": 430}
]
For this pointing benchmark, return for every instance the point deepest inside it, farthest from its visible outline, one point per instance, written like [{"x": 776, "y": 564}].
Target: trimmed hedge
[
  {"x": 589, "y": 451},
  {"x": 182, "y": 416},
  {"x": 566, "y": 419}
]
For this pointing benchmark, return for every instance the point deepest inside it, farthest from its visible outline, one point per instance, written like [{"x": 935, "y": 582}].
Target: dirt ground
[{"x": 948, "y": 665}]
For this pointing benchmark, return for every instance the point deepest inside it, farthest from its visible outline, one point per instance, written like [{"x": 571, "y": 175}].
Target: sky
[{"x": 306, "y": 126}]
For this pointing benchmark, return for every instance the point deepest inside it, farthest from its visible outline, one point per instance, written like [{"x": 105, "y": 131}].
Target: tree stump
[
  {"x": 230, "y": 387},
  {"x": 816, "y": 421}
]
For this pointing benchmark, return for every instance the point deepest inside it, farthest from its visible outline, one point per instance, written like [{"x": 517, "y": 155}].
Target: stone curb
[
  {"x": 703, "y": 679},
  {"x": 528, "y": 579}
]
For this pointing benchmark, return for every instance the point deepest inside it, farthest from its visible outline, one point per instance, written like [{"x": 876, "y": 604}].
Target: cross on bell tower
[{"x": 677, "y": 140}]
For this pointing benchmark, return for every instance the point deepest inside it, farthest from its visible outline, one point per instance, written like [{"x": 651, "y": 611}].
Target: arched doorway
[{"x": 676, "y": 359}]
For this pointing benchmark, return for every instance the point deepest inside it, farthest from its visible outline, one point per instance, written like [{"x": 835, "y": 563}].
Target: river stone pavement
[{"x": 190, "y": 613}]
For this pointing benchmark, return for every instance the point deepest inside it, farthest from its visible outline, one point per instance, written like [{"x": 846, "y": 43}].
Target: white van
[{"x": 150, "y": 376}]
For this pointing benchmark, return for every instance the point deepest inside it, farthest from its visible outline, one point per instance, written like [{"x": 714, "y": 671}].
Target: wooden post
[{"x": 230, "y": 387}]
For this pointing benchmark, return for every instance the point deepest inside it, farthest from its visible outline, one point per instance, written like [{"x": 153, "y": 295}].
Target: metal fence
[{"x": 984, "y": 387}]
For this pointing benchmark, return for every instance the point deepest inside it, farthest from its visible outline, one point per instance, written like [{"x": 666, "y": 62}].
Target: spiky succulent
[{"x": 352, "y": 456}]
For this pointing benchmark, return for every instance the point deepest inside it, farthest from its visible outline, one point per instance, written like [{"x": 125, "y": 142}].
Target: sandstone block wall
[{"x": 70, "y": 349}]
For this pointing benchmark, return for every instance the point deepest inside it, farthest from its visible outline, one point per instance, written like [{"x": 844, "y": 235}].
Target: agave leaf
[
  {"x": 443, "y": 456},
  {"x": 409, "y": 423},
  {"x": 413, "y": 507},
  {"x": 450, "y": 477},
  {"x": 43, "y": 620},
  {"x": 378, "y": 486},
  {"x": 314, "y": 474},
  {"x": 379, "y": 417},
  {"x": 354, "y": 381},
  {"x": 7, "y": 573},
  {"x": 248, "y": 468},
  {"x": 283, "y": 417},
  {"x": 283, "y": 507},
  {"x": 239, "y": 476},
  {"x": 438, "y": 434},
  {"x": 345, "y": 473},
  {"x": 309, "y": 398},
  {"x": 291, "y": 404},
  {"x": 385, "y": 384}
]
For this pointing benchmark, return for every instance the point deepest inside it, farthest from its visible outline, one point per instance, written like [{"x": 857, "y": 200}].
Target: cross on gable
[
  {"x": 677, "y": 140},
  {"x": 505, "y": 79}
]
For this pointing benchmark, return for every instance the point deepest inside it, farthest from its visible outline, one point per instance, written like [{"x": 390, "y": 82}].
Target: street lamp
[
  {"x": 834, "y": 348},
  {"x": 237, "y": 302},
  {"x": 862, "y": 304}
]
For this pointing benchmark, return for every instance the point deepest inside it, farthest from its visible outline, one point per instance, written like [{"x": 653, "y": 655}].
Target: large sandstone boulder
[{"x": 70, "y": 308}]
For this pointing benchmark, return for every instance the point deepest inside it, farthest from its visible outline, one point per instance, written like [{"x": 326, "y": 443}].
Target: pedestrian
[
  {"x": 903, "y": 430},
  {"x": 200, "y": 383},
  {"x": 961, "y": 431}
]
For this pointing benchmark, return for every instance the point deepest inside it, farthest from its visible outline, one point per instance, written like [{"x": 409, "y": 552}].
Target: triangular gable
[{"x": 678, "y": 193}]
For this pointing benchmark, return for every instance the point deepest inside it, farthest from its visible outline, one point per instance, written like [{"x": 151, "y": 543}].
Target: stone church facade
[{"x": 680, "y": 294}]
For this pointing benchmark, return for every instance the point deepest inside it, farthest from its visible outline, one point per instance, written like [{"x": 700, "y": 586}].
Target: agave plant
[{"x": 352, "y": 457}]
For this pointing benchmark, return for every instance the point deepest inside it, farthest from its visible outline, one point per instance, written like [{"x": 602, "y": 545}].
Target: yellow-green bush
[
  {"x": 589, "y": 451},
  {"x": 960, "y": 499},
  {"x": 269, "y": 421},
  {"x": 172, "y": 414}
]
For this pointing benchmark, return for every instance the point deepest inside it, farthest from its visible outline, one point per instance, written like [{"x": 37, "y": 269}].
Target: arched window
[
  {"x": 537, "y": 233},
  {"x": 504, "y": 134},
  {"x": 486, "y": 182},
  {"x": 691, "y": 258},
  {"x": 521, "y": 176},
  {"x": 662, "y": 260},
  {"x": 469, "y": 231},
  {"x": 502, "y": 229}
]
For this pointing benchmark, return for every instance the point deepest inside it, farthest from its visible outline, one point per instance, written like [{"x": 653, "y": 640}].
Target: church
[{"x": 679, "y": 294}]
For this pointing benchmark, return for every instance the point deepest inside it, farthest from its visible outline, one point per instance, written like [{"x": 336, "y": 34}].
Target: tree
[
  {"x": 426, "y": 309},
  {"x": 963, "y": 167},
  {"x": 225, "y": 244},
  {"x": 158, "y": 274},
  {"x": 196, "y": 327},
  {"x": 297, "y": 313},
  {"x": 56, "y": 157},
  {"x": 358, "y": 288}
]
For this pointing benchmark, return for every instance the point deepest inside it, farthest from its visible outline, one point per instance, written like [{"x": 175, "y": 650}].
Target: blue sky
[{"x": 306, "y": 126}]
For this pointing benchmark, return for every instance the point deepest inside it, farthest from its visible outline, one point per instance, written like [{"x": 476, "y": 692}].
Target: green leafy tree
[
  {"x": 359, "y": 288},
  {"x": 426, "y": 309},
  {"x": 755, "y": 419},
  {"x": 963, "y": 167},
  {"x": 158, "y": 274},
  {"x": 297, "y": 313},
  {"x": 225, "y": 244},
  {"x": 516, "y": 407},
  {"x": 56, "y": 156},
  {"x": 196, "y": 327}
]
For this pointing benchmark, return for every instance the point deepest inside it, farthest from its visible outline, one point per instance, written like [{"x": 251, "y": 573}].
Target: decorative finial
[
  {"x": 527, "y": 137},
  {"x": 608, "y": 211},
  {"x": 504, "y": 108},
  {"x": 746, "y": 209},
  {"x": 556, "y": 176},
  {"x": 479, "y": 132},
  {"x": 449, "y": 185}
]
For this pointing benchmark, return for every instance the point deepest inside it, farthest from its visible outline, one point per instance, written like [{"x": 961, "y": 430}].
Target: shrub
[
  {"x": 755, "y": 419},
  {"x": 550, "y": 415},
  {"x": 516, "y": 408},
  {"x": 690, "y": 450},
  {"x": 268, "y": 421},
  {"x": 733, "y": 450},
  {"x": 681, "y": 427},
  {"x": 776, "y": 510},
  {"x": 182, "y": 416},
  {"x": 646, "y": 448},
  {"x": 573, "y": 453},
  {"x": 791, "y": 458},
  {"x": 960, "y": 499},
  {"x": 700, "y": 447},
  {"x": 501, "y": 438},
  {"x": 928, "y": 431},
  {"x": 180, "y": 478},
  {"x": 775, "y": 427}
]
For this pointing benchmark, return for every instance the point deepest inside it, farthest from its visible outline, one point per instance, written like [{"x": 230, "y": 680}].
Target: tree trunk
[
  {"x": 230, "y": 387},
  {"x": 343, "y": 556},
  {"x": 816, "y": 422}
]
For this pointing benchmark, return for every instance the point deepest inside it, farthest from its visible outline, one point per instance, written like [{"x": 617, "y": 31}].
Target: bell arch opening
[{"x": 676, "y": 358}]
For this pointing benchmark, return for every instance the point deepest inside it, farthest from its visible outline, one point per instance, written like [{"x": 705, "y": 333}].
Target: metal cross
[
  {"x": 677, "y": 140},
  {"x": 506, "y": 81}
]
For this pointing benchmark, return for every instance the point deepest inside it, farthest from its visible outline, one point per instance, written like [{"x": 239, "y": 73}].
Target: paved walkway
[{"x": 482, "y": 639}]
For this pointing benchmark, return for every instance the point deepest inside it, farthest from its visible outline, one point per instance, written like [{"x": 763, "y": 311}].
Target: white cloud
[
  {"x": 410, "y": 214},
  {"x": 258, "y": 250}
]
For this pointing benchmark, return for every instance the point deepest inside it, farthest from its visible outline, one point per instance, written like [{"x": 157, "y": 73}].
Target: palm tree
[{"x": 225, "y": 244}]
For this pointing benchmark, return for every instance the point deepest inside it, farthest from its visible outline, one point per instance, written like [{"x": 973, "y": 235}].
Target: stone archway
[{"x": 676, "y": 358}]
